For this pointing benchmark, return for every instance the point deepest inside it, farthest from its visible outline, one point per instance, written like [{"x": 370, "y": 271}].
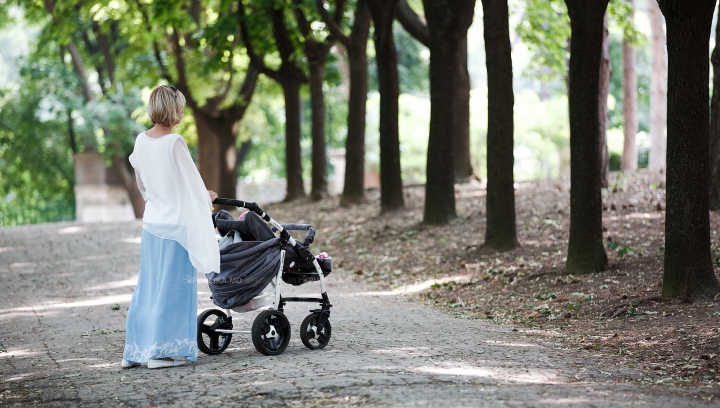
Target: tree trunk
[
  {"x": 585, "y": 250},
  {"x": 658, "y": 91},
  {"x": 501, "y": 228},
  {"x": 121, "y": 166},
  {"x": 354, "y": 186},
  {"x": 447, "y": 22},
  {"x": 391, "y": 188},
  {"x": 216, "y": 153},
  {"x": 463, "y": 163},
  {"x": 688, "y": 260},
  {"x": 715, "y": 125},
  {"x": 319, "y": 155},
  {"x": 605, "y": 73},
  {"x": 630, "y": 125},
  {"x": 293, "y": 156}
]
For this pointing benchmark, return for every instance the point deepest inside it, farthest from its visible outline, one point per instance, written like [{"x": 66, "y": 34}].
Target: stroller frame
[{"x": 266, "y": 337}]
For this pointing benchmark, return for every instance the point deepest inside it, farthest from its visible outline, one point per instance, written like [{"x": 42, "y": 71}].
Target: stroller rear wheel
[
  {"x": 271, "y": 332},
  {"x": 210, "y": 341},
  {"x": 311, "y": 337}
]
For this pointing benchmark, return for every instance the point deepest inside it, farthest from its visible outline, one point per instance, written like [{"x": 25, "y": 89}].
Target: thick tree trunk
[
  {"x": 605, "y": 73},
  {"x": 319, "y": 188},
  {"x": 501, "y": 228},
  {"x": 391, "y": 188},
  {"x": 216, "y": 153},
  {"x": 715, "y": 125},
  {"x": 121, "y": 166},
  {"x": 658, "y": 91},
  {"x": 447, "y": 22},
  {"x": 463, "y": 163},
  {"x": 630, "y": 126},
  {"x": 293, "y": 156},
  {"x": 354, "y": 186},
  {"x": 585, "y": 250},
  {"x": 688, "y": 260}
]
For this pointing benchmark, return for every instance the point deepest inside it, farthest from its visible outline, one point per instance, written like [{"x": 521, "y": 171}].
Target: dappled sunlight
[
  {"x": 508, "y": 344},
  {"x": 19, "y": 353},
  {"x": 71, "y": 230},
  {"x": 418, "y": 287},
  {"x": 8, "y": 249},
  {"x": 107, "y": 300},
  {"x": 115, "y": 284},
  {"x": 534, "y": 376},
  {"x": 636, "y": 216},
  {"x": 135, "y": 240}
]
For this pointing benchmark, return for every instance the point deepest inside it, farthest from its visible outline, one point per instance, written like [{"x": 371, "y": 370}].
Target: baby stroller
[{"x": 249, "y": 279}]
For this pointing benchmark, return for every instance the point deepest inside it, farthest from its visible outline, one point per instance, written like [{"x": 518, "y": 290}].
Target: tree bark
[
  {"x": 463, "y": 162},
  {"x": 605, "y": 73},
  {"x": 715, "y": 125},
  {"x": 319, "y": 188},
  {"x": 354, "y": 186},
  {"x": 585, "y": 250},
  {"x": 630, "y": 86},
  {"x": 293, "y": 159},
  {"x": 217, "y": 154},
  {"x": 447, "y": 22},
  {"x": 658, "y": 91},
  {"x": 688, "y": 260},
  {"x": 391, "y": 188},
  {"x": 501, "y": 227}
]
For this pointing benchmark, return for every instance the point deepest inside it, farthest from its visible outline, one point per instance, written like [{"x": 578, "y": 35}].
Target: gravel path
[{"x": 61, "y": 344}]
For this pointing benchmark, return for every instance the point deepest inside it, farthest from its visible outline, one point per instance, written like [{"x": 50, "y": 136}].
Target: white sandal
[
  {"x": 128, "y": 364},
  {"x": 165, "y": 363}
]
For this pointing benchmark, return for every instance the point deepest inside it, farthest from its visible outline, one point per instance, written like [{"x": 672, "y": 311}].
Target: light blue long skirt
[{"x": 162, "y": 319}]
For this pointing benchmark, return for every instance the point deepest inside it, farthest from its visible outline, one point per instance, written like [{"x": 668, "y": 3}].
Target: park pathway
[{"x": 61, "y": 344}]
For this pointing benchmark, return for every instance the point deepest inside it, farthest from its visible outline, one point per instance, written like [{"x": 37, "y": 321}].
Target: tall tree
[
  {"x": 447, "y": 22},
  {"x": 391, "y": 191},
  {"x": 585, "y": 249},
  {"x": 290, "y": 76},
  {"x": 715, "y": 124},
  {"x": 356, "y": 46},
  {"x": 414, "y": 25},
  {"x": 316, "y": 51},
  {"x": 217, "y": 117},
  {"x": 501, "y": 227},
  {"x": 604, "y": 114},
  {"x": 688, "y": 260},
  {"x": 658, "y": 90},
  {"x": 630, "y": 100}
]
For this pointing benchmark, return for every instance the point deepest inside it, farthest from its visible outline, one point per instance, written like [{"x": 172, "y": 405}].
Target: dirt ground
[{"x": 617, "y": 315}]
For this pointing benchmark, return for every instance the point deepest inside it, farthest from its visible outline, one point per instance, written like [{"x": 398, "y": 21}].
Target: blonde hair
[{"x": 166, "y": 105}]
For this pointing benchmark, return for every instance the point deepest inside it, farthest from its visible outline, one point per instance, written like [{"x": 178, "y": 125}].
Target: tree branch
[
  {"x": 412, "y": 23},
  {"x": 246, "y": 92},
  {"x": 156, "y": 48},
  {"x": 255, "y": 59},
  {"x": 182, "y": 82},
  {"x": 332, "y": 26}
]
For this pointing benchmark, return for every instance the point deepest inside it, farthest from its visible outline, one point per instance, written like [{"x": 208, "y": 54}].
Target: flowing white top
[{"x": 177, "y": 204}]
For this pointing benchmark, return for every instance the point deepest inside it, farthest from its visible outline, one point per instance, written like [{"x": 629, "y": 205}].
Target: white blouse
[{"x": 177, "y": 204}]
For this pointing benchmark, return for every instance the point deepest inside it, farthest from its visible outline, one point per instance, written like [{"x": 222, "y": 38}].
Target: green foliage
[
  {"x": 546, "y": 30},
  {"x": 37, "y": 171}
]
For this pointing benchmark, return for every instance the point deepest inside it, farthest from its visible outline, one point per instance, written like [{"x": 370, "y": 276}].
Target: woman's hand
[{"x": 213, "y": 195}]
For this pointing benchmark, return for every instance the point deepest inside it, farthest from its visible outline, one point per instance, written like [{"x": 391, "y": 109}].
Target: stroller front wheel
[
  {"x": 271, "y": 332},
  {"x": 210, "y": 341},
  {"x": 311, "y": 337}
]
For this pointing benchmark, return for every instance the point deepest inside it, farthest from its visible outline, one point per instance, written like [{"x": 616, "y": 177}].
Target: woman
[{"x": 178, "y": 237}]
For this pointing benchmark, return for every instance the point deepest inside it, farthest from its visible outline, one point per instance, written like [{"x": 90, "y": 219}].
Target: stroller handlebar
[
  {"x": 309, "y": 237},
  {"x": 238, "y": 203}
]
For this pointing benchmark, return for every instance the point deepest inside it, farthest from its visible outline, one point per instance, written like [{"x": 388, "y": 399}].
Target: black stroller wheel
[
  {"x": 271, "y": 332},
  {"x": 210, "y": 341},
  {"x": 309, "y": 334}
]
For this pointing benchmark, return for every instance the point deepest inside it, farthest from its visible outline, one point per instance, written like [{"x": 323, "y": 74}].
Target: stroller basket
[{"x": 296, "y": 272}]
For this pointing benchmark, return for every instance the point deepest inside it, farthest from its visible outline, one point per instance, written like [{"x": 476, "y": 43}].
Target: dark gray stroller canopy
[{"x": 246, "y": 268}]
